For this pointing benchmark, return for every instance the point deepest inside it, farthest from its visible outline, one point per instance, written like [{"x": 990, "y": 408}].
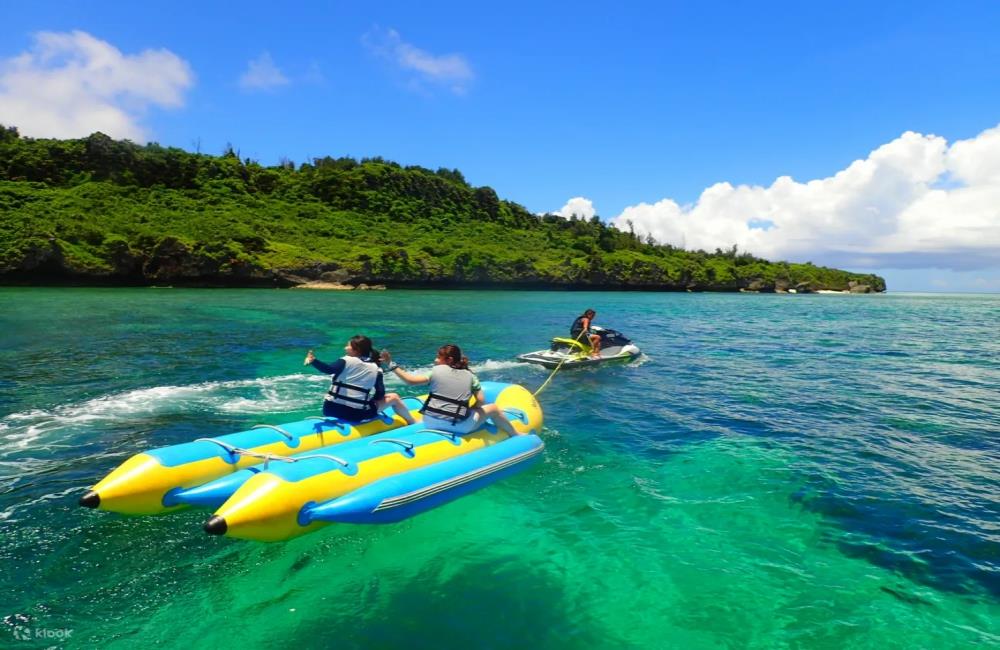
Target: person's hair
[
  {"x": 453, "y": 355},
  {"x": 364, "y": 347},
  {"x": 590, "y": 313}
]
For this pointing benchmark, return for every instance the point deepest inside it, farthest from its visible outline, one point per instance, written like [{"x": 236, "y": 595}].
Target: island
[{"x": 97, "y": 211}]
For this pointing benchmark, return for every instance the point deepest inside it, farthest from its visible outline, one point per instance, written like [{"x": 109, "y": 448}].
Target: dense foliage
[{"x": 96, "y": 209}]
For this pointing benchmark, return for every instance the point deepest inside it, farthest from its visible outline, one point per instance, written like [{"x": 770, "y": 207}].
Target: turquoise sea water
[{"x": 775, "y": 472}]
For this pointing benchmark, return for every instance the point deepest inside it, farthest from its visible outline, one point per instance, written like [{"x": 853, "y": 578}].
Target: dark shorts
[{"x": 346, "y": 413}]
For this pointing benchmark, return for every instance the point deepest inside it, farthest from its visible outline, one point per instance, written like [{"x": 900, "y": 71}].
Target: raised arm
[
  {"x": 335, "y": 368},
  {"x": 408, "y": 377}
]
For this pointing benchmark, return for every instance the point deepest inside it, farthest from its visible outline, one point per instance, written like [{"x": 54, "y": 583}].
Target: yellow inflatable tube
[{"x": 267, "y": 507}]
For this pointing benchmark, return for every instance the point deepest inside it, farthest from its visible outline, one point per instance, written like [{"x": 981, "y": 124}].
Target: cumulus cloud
[
  {"x": 70, "y": 84},
  {"x": 914, "y": 202},
  {"x": 451, "y": 71},
  {"x": 262, "y": 74},
  {"x": 579, "y": 206}
]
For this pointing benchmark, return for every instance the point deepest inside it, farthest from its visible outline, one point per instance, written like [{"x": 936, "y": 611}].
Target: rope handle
[
  {"x": 334, "y": 424},
  {"x": 408, "y": 446},
  {"x": 273, "y": 428},
  {"x": 516, "y": 414},
  {"x": 267, "y": 458},
  {"x": 336, "y": 459},
  {"x": 447, "y": 434}
]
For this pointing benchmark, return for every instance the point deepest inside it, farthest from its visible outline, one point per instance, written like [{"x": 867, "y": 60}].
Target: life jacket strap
[
  {"x": 336, "y": 396},
  {"x": 459, "y": 414}
]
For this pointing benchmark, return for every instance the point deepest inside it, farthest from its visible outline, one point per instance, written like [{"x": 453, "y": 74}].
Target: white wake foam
[
  {"x": 490, "y": 365},
  {"x": 641, "y": 360},
  {"x": 263, "y": 395}
]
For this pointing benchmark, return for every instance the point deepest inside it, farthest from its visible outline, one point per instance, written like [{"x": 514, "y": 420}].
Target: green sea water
[{"x": 775, "y": 471}]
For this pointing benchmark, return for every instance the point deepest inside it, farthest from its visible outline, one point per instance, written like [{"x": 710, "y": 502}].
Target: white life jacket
[
  {"x": 353, "y": 386},
  {"x": 450, "y": 394}
]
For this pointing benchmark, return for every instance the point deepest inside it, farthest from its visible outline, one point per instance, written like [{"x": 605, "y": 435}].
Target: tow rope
[{"x": 556, "y": 369}]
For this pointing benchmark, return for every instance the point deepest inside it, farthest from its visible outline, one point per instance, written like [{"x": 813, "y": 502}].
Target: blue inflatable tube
[{"x": 396, "y": 498}]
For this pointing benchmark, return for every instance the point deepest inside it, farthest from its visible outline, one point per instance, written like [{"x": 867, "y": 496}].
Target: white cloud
[
  {"x": 262, "y": 74},
  {"x": 70, "y": 84},
  {"x": 914, "y": 202},
  {"x": 449, "y": 70},
  {"x": 579, "y": 206}
]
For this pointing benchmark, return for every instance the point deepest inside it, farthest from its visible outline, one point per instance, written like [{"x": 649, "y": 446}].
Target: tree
[{"x": 8, "y": 133}]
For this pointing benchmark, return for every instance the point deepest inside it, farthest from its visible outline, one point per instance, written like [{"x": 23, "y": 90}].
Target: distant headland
[{"x": 95, "y": 211}]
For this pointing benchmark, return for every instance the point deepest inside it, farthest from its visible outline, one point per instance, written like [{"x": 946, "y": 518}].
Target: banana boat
[
  {"x": 148, "y": 483},
  {"x": 383, "y": 479}
]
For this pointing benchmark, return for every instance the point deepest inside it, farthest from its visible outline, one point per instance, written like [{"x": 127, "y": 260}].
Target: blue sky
[{"x": 622, "y": 107}]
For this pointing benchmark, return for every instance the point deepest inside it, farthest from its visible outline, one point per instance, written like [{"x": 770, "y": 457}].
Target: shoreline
[{"x": 412, "y": 286}]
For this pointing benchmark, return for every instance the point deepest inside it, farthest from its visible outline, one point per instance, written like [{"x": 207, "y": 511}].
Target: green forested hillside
[{"x": 96, "y": 210}]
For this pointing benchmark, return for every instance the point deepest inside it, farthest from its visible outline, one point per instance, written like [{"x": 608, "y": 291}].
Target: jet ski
[{"x": 570, "y": 352}]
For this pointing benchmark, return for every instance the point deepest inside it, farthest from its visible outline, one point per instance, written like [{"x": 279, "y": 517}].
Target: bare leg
[
  {"x": 595, "y": 344},
  {"x": 397, "y": 404},
  {"x": 493, "y": 411}
]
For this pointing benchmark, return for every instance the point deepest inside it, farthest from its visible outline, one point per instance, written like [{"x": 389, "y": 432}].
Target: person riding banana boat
[
  {"x": 357, "y": 392},
  {"x": 588, "y": 344},
  {"x": 452, "y": 386}
]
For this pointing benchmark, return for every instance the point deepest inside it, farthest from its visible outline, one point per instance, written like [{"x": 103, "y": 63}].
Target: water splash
[{"x": 263, "y": 395}]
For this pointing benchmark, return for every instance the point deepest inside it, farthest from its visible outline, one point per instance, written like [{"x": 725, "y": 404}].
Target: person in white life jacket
[
  {"x": 357, "y": 392},
  {"x": 452, "y": 387}
]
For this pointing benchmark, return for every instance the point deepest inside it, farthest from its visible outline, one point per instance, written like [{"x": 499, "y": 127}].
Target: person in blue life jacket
[
  {"x": 357, "y": 392},
  {"x": 581, "y": 328},
  {"x": 452, "y": 387}
]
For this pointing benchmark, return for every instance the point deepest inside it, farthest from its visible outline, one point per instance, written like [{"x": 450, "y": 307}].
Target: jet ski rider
[
  {"x": 357, "y": 392},
  {"x": 581, "y": 326},
  {"x": 452, "y": 386}
]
